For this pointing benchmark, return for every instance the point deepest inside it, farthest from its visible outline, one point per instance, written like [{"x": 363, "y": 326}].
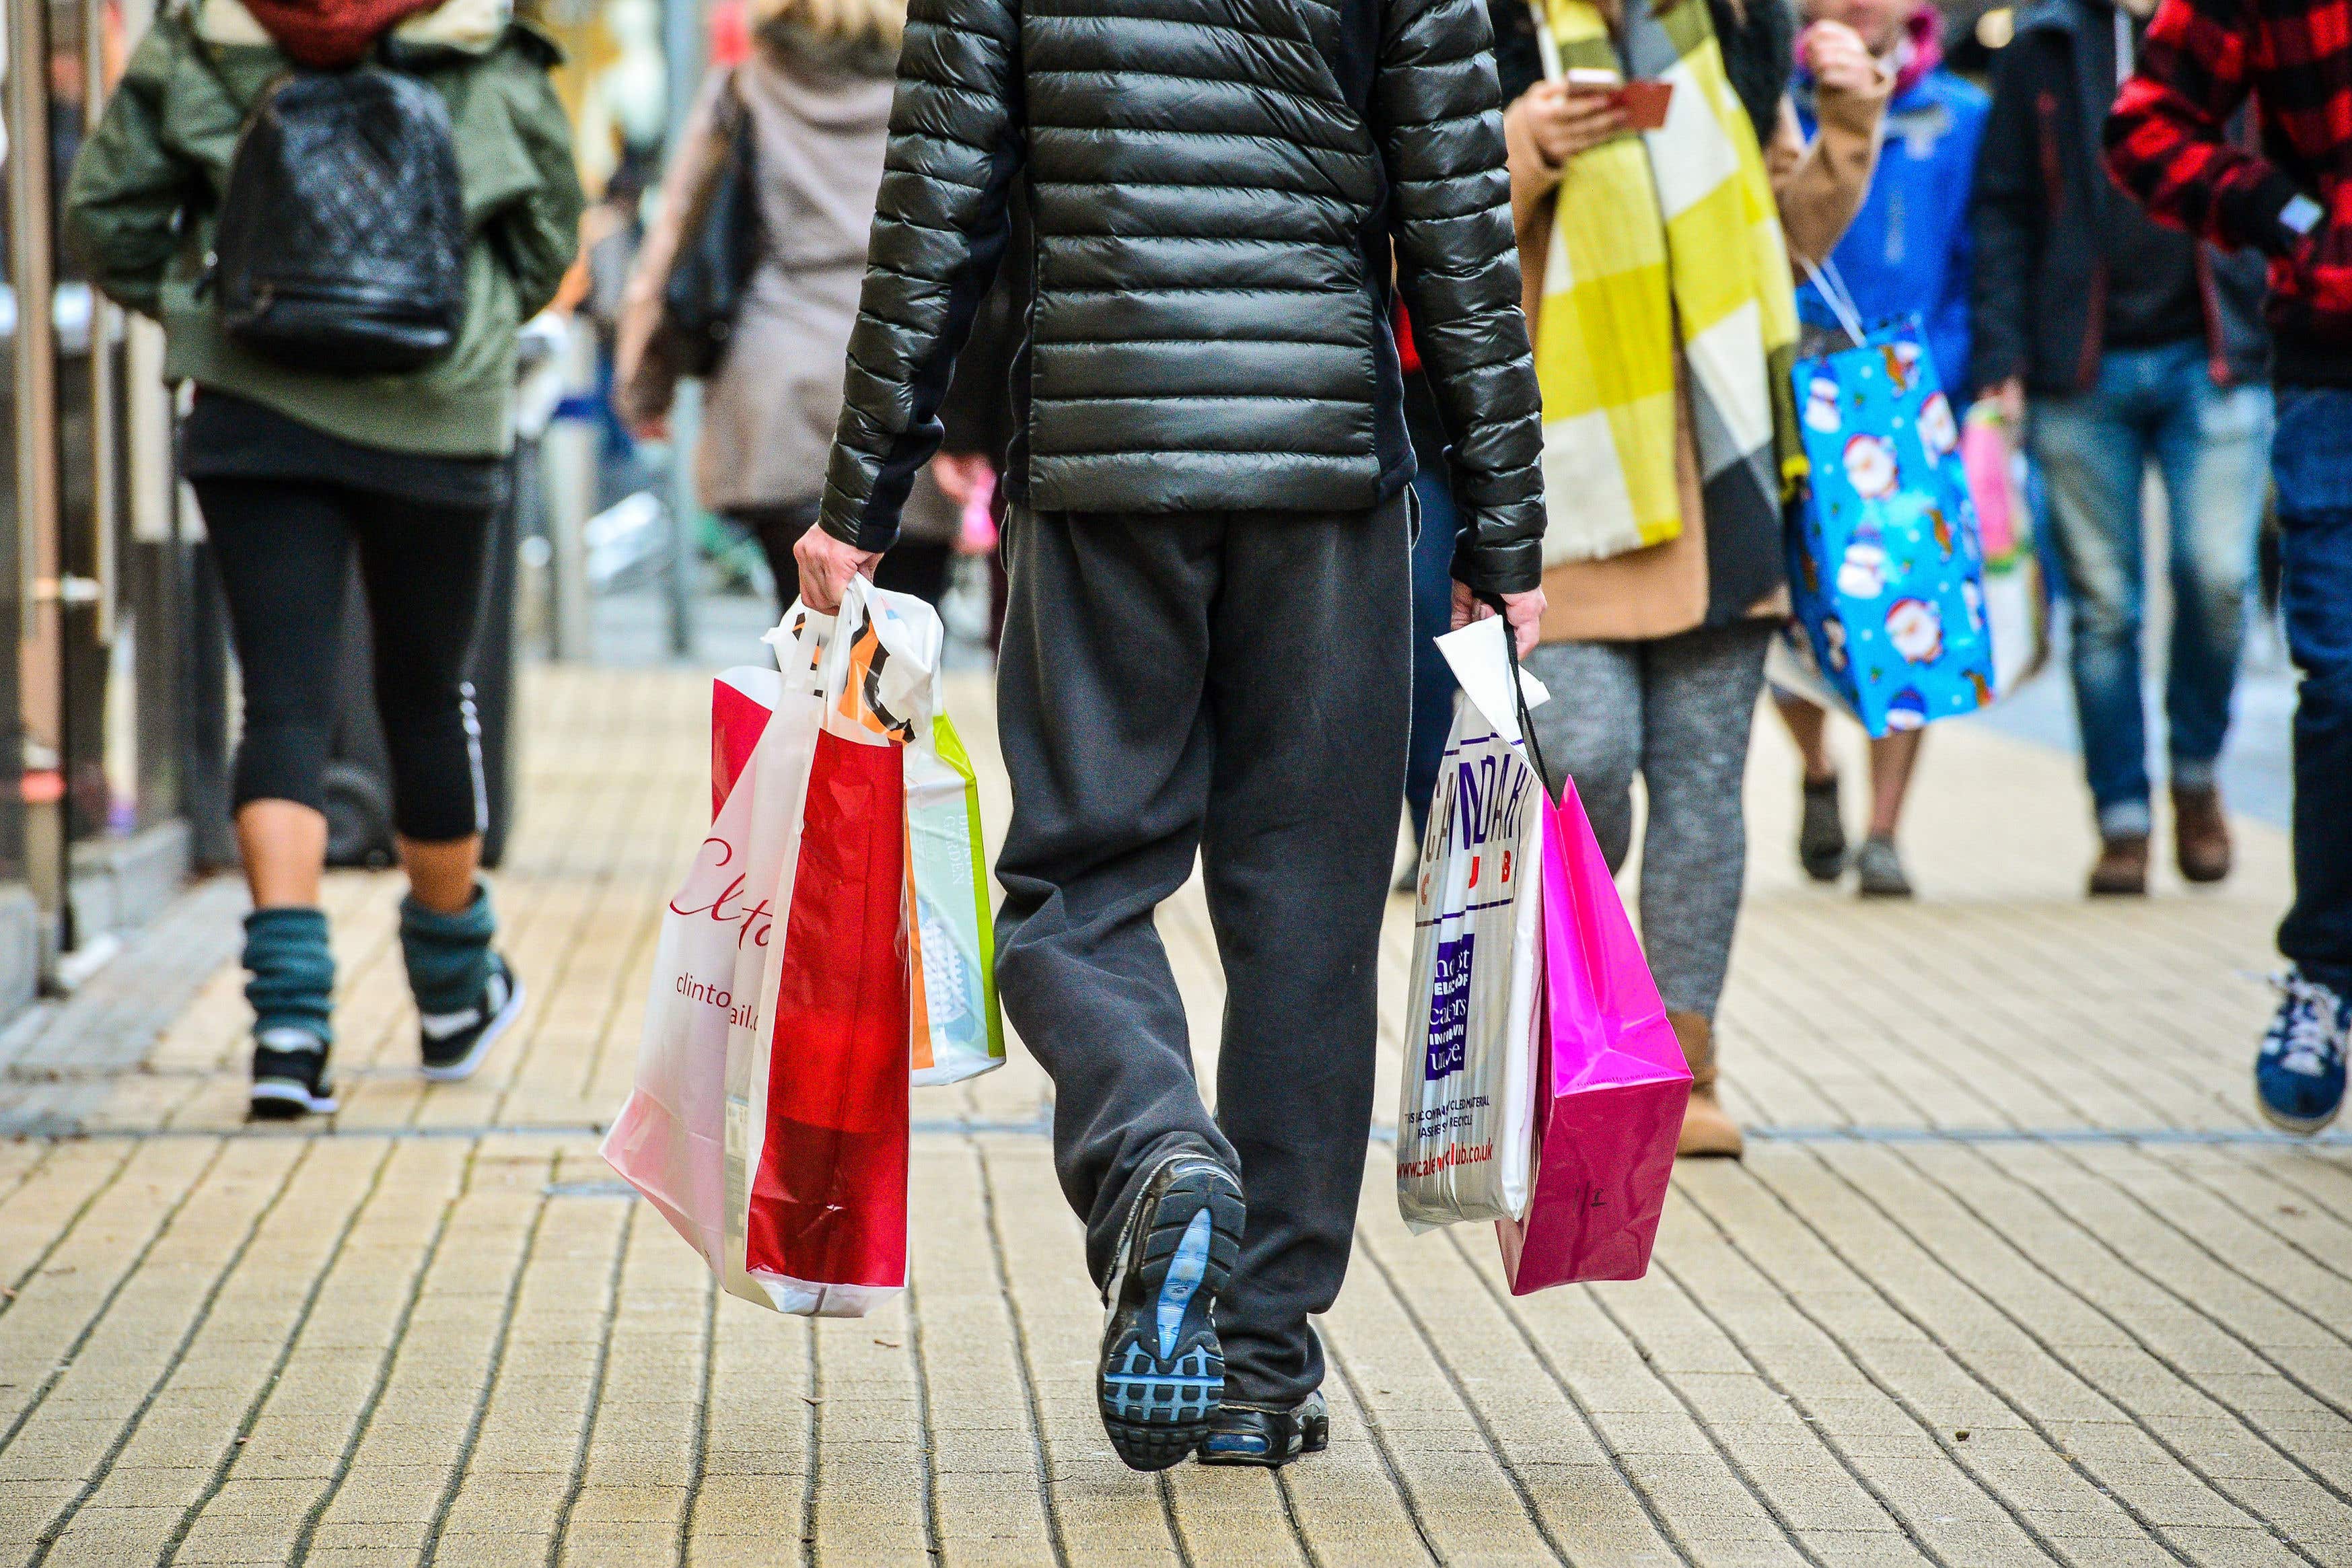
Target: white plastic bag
[
  {"x": 769, "y": 1122},
  {"x": 1465, "y": 1121}
]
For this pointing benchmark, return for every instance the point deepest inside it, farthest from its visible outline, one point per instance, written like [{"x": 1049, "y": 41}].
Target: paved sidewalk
[{"x": 2009, "y": 1275}]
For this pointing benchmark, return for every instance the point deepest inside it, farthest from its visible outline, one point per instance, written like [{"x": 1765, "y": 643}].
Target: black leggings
[
  {"x": 916, "y": 566},
  {"x": 284, "y": 547}
]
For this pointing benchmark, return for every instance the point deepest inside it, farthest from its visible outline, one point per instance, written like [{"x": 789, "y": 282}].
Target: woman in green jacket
[{"x": 297, "y": 470}]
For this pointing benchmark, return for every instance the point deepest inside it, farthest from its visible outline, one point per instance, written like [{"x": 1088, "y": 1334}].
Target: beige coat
[
  {"x": 818, "y": 126},
  {"x": 1663, "y": 589}
]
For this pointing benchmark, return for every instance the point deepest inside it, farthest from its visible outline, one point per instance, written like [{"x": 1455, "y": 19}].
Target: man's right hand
[{"x": 2009, "y": 396}]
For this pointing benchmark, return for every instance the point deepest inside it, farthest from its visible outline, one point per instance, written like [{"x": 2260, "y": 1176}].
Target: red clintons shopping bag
[
  {"x": 769, "y": 1122},
  {"x": 1611, "y": 1082}
]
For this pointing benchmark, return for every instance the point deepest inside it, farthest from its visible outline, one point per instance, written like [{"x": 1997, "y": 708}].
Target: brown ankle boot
[
  {"x": 2201, "y": 834},
  {"x": 2122, "y": 868},
  {"x": 1707, "y": 1131}
]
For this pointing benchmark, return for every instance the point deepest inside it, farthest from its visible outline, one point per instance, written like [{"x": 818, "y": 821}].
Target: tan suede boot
[{"x": 1707, "y": 1131}]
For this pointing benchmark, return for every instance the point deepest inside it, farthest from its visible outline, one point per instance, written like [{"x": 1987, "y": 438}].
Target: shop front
[{"x": 113, "y": 706}]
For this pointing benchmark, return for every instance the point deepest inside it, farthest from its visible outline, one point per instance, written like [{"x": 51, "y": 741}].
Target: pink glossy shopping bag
[{"x": 1611, "y": 1082}]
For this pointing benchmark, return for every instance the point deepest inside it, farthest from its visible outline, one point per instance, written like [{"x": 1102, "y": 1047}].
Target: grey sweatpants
[
  {"x": 1678, "y": 711},
  {"x": 1233, "y": 684}
]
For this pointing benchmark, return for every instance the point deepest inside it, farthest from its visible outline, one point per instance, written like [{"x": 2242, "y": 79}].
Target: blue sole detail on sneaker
[{"x": 1162, "y": 1372}]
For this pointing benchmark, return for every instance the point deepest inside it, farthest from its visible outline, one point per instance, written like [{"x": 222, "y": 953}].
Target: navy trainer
[
  {"x": 2299, "y": 1074},
  {"x": 1162, "y": 1370}
]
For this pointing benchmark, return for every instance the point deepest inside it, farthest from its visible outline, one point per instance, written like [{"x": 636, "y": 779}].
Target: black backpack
[
  {"x": 704, "y": 292},
  {"x": 341, "y": 244}
]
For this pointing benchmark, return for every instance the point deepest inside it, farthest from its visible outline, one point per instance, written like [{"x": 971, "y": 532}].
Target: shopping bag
[
  {"x": 1884, "y": 561},
  {"x": 769, "y": 1123},
  {"x": 669, "y": 1140},
  {"x": 957, "y": 1030},
  {"x": 2016, "y": 588},
  {"x": 1610, "y": 1081},
  {"x": 1463, "y": 1123}
]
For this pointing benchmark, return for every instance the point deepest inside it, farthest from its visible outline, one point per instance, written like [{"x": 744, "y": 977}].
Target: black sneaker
[
  {"x": 1239, "y": 1435},
  {"x": 1162, "y": 1370},
  {"x": 1820, "y": 832},
  {"x": 290, "y": 1074},
  {"x": 454, "y": 1044}
]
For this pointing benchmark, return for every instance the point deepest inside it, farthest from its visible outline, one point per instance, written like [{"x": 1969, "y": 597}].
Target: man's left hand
[
  {"x": 826, "y": 566},
  {"x": 1523, "y": 611}
]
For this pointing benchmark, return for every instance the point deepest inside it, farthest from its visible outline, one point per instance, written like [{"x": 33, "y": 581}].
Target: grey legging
[{"x": 1678, "y": 711}]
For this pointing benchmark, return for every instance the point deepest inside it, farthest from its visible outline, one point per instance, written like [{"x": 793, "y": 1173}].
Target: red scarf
[{"x": 328, "y": 35}]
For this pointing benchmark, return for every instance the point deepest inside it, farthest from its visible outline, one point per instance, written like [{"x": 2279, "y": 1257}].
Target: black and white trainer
[
  {"x": 1162, "y": 1370},
  {"x": 290, "y": 1074},
  {"x": 454, "y": 1044}
]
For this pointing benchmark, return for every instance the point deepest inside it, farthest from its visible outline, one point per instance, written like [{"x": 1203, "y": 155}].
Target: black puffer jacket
[{"x": 1214, "y": 186}]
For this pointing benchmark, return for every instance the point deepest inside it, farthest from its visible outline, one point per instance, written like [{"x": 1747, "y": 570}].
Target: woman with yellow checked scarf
[{"x": 1656, "y": 253}]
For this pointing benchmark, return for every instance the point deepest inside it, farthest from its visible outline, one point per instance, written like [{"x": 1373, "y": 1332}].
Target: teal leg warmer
[
  {"x": 292, "y": 984},
  {"x": 449, "y": 956}
]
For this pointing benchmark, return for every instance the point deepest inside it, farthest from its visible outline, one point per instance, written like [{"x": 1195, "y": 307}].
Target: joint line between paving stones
[
  {"x": 1892, "y": 1395},
  {"x": 1183, "y": 1548},
  {"x": 1739, "y": 1471},
  {"x": 1477, "y": 1416},
  {"x": 73, "y": 1222},
  {"x": 815, "y": 1440},
  {"x": 1836, "y": 1449},
  {"x": 2161, "y": 1358},
  {"x": 931, "y": 1545},
  {"x": 39, "y": 1162},
  {"x": 490, "y": 1374},
  {"x": 1626, "y": 1477},
  {"x": 2262, "y": 1222},
  {"x": 268, "y": 1385},
  {"x": 58, "y": 1525},
  {"x": 1339, "y": 1359},
  {"x": 697, "y": 1465},
  {"x": 638, "y": 961},
  {"x": 365, "y": 1418},
  {"x": 2033, "y": 1423},
  {"x": 588, "y": 1417},
  {"x": 1020, "y": 1358},
  {"x": 1289, "y": 1499},
  {"x": 2179, "y": 1456},
  {"x": 106, "y": 1303},
  {"x": 2198, "y": 1244},
  {"x": 2303, "y": 1155}
]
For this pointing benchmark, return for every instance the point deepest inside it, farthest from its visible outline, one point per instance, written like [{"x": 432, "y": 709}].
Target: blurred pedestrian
[
  {"x": 810, "y": 104},
  {"x": 1653, "y": 643},
  {"x": 2168, "y": 144},
  {"x": 1207, "y": 647},
  {"x": 298, "y": 470},
  {"x": 2119, "y": 342},
  {"x": 1906, "y": 252}
]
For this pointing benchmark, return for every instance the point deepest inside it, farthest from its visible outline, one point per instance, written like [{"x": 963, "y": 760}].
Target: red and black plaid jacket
[{"x": 2166, "y": 144}]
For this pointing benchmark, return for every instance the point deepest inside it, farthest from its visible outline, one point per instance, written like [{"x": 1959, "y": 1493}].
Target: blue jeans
[
  {"x": 1433, "y": 616},
  {"x": 2312, "y": 463},
  {"x": 2210, "y": 444}
]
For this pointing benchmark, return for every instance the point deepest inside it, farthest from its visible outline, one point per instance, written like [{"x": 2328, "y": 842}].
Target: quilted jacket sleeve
[
  {"x": 123, "y": 201},
  {"x": 1437, "y": 113},
  {"x": 940, "y": 228}
]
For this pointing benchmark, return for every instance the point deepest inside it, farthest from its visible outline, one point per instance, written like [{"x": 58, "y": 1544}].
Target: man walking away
[
  {"x": 1907, "y": 250},
  {"x": 1207, "y": 642},
  {"x": 2168, "y": 144},
  {"x": 2130, "y": 342}
]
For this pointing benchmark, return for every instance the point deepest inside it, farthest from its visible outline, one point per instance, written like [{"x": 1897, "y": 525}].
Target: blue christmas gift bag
[{"x": 1885, "y": 567}]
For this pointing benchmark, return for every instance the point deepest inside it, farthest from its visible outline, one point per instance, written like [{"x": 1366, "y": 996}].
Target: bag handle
[
  {"x": 1826, "y": 278},
  {"x": 1518, "y": 692}
]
